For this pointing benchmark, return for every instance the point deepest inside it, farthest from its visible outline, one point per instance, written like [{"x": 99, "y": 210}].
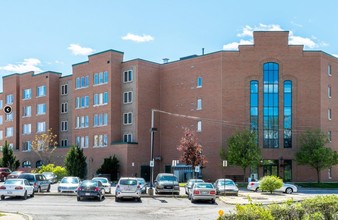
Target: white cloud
[
  {"x": 30, "y": 64},
  {"x": 76, "y": 49},
  {"x": 138, "y": 38},
  {"x": 336, "y": 55},
  {"x": 247, "y": 32}
]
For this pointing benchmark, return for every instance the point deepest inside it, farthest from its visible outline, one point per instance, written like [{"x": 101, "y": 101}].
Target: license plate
[
  {"x": 9, "y": 192},
  {"x": 87, "y": 194},
  {"x": 168, "y": 187},
  {"x": 204, "y": 193}
]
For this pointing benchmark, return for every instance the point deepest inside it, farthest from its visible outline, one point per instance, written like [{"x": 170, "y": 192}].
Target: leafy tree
[
  {"x": 59, "y": 171},
  {"x": 8, "y": 158},
  {"x": 44, "y": 145},
  {"x": 242, "y": 150},
  {"x": 75, "y": 162},
  {"x": 191, "y": 150},
  {"x": 110, "y": 166},
  {"x": 313, "y": 152},
  {"x": 270, "y": 183}
]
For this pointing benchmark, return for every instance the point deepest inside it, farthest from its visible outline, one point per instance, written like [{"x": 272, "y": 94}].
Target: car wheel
[
  {"x": 2, "y": 197},
  {"x": 39, "y": 189},
  {"x": 256, "y": 190},
  {"x": 48, "y": 189},
  {"x": 289, "y": 190},
  {"x": 32, "y": 195},
  {"x": 192, "y": 200},
  {"x": 78, "y": 198},
  {"x": 212, "y": 201},
  {"x": 25, "y": 195}
]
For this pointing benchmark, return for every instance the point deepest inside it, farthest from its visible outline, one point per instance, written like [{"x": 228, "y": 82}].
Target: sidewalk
[{"x": 14, "y": 216}]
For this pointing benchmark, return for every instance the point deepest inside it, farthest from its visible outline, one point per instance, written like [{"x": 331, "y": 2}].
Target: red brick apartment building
[{"x": 105, "y": 107}]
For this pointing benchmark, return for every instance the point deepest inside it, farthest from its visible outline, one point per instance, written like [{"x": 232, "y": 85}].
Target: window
[
  {"x": 27, "y": 129},
  {"x": 127, "y": 118},
  {"x": 82, "y": 82},
  {"x": 127, "y": 97},
  {"x": 100, "y": 119},
  {"x": 199, "y": 104},
  {"x": 329, "y": 91},
  {"x": 199, "y": 126},
  {"x": 64, "y": 107},
  {"x": 9, "y": 99},
  {"x": 41, "y": 109},
  {"x": 128, "y": 76},
  {"x": 329, "y": 70},
  {"x": 27, "y": 111},
  {"x": 82, "y": 141},
  {"x": 199, "y": 82},
  {"x": 329, "y": 114},
  {"x": 101, "y": 99},
  {"x": 270, "y": 105},
  {"x": 287, "y": 114},
  {"x": 1, "y": 104},
  {"x": 40, "y": 127},
  {"x": 330, "y": 173},
  {"x": 101, "y": 78},
  {"x": 64, "y": 143},
  {"x": 329, "y": 136},
  {"x": 27, "y": 164},
  {"x": 1, "y": 135},
  {"x": 1, "y": 120},
  {"x": 9, "y": 132},
  {"x": 27, "y": 94},
  {"x": 100, "y": 140},
  {"x": 64, "y": 89},
  {"x": 9, "y": 117},
  {"x": 82, "y": 102},
  {"x": 82, "y": 121},
  {"x": 41, "y": 91},
  {"x": 127, "y": 138},
  {"x": 254, "y": 107},
  {"x": 26, "y": 146},
  {"x": 64, "y": 125}
]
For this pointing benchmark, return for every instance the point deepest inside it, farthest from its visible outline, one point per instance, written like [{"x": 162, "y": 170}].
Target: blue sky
[{"x": 41, "y": 35}]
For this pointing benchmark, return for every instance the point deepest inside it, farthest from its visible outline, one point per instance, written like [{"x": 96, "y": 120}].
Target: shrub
[
  {"x": 270, "y": 183},
  {"x": 57, "y": 170}
]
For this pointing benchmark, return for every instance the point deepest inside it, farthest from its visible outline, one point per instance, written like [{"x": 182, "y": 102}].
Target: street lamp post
[{"x": 152, "y": 136}]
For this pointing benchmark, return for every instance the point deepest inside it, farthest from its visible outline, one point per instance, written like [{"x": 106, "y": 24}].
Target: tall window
[
  {"x": 101, "y": 78},
  {"x": 64, "y": 142},
  {"x": 1, "y": 135},
  {"x": 127, "y": 118},
  {"x": 101, "y": 98},
  {"x": 329, "y": 114},
  {"x": 64, "y": 107},
  {"x": 128, "y": 76},
  {"x": 127, "y": 138},
  {"x": 9, "y": 99},
  {"x": 254, "y": 107},
  {"x": 27, "y": 111},
  {"x": 329, "y": 136},
  {"x": 40, "y": 127},
  {"x": 100, "y": 140},
  {"x": 82, "y": 102},
  {"x": 270, "y": 105},
  {"x": 41, "y": 91},
  {"x": 26, "y": 146},
  {"x": 9, "y": 117},
  {"x": 199, "y": 82},
  {"x": 329, "y": 70},
  {"x": 64, "y": 125},
  {"x": 27, "y": 128},
  {"x": 287, "y": 114},
  {"x": 100, "y": 119},
  {"x": 27, "y": 94},
  {"x": 1, "y": 104},
  {"x": 82, "y": 121},
  {"x": 199, "y": 104},
  {"x": 82, "y": 141},
  {"x": 329, "y": 91},
  {"x": 127, "y": 97},
  {"x": 82, "y": 82},
  {"x": 1, "y": 120},
  {"x": 64, "y": 89},
  {"x": 9, "y": 132},
  {"x": 199, "y": 126},
  {"x": 41, "y": 109}
]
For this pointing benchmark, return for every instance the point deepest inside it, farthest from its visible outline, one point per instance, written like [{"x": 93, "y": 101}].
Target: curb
[
  {"x": 112, "y": 195},
  {"x": 17, "y": 215}
]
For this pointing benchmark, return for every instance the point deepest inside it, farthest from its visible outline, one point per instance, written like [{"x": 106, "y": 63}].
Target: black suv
[{"x": 37, "y": 180}]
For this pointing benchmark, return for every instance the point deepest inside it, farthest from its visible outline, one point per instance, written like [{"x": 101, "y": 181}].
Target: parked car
[
  {"x": 143, "y": 185},
  {"x": 202, "y": 191},
  {"x": 39, "y": 181},
  {"x": 50, "y": 176},
  {"x": 226, "y": 186},
  {"x": 4, "y": 172},
  {"x": 16, "y": 187},
  {"x": 91, "y": 189},
  {"x": 166, "y": 183},
  {"x": 190, "y": 183},
  {"x": 105, "y": 182},
  {"x": 15, "y": 174},
  {"x": 128, "y": 187},
  {"x": 69, "y": 184},
  {"x": 286, "y": 188}
]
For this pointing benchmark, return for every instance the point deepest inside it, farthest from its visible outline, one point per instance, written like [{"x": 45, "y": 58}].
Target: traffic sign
[
  {"x": 225, "y": 163},
  {"x": 151, "y": 164},
  {"x": 197, "y": 169},
  {"x": 8, "y": 109}
]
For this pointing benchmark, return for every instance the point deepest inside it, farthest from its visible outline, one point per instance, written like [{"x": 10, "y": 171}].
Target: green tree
[
  {"x": 270, "y": 183},
  {"x": 313, "y": 152},
  {"x": 242, "y": 150},
  {"x": 8, "y": 158},
  {"x": 75, "y": 162},
  {"x": 110, "y": 166},
  {"x": 191, "y": 150}
]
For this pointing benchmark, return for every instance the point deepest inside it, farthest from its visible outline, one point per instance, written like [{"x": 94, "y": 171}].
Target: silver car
[
  {"x": 105, "y": 182},
  {"x": 203, "y": 191},
  {"x": 286, "y": 188},
  {"x": 128, "y": 187},
  {"x": 190, "y": 183},
  {"x": 38, "y": 181},
  {"x": 143, "y": 185},
  {"x": 69, "y": 184},
  {"x": 167, "y": 183},
  {"x": 226, "y": 186}
]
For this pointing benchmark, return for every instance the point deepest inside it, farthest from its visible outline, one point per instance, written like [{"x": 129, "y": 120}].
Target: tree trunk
[
  {"x": 318, "y": 175},
  {"x": 244, "y": 168}
]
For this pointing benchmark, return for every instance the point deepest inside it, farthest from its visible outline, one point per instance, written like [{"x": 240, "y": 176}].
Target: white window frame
[
  {"x": 64, "y": 142},
  {"x": 199, "y": 104},
  {"x": 27, "y": 95},
  {"x": 128, "y": 138},
  {"x": 41, "y": 109},
  {"x": 27, "y": 111},
  {"x": 128, "y": 118},
  {"x": 28, "y": 147},
  {"x": 128, "y": 76},
  {"x": 9, "y": 132},
  {"x": 1, "y": 120},
  {"x": 329, "y": 70},
  {"x": 1, "y": 135},
  {"x": 64, "y": 107},
  {"x": 27, "y": 129},
  {"x": 329, "y": 114},
  {"x": 127, "y": 97},
  {"x": 10, "y": 117},
  {"x": 199, "y": 126},
  {"x": 41, "y": 127},
  {"x": 329, "y": 92},
  {"x": 82, "y": 141},
  {"x": 64, "y": 89},
  {"x": 9, "y": 99},
  {"x": 199, "y": 82},
  {"x": 41, "y": 91},
  {"x": 64, "y": 126}
]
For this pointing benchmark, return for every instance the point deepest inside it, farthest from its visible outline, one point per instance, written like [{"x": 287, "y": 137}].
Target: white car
[
  {"x": 16, "y": 187},
  {"x": 128, "y": 187},
  {"x": 105, "y": 182},
  {"x": 203, "y": 191},
  {"x": 286, "y": 188},
  {"x": 69, "y": 184}
]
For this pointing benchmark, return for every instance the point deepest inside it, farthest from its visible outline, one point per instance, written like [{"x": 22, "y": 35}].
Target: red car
[
  {"x": 15, "y": 174},
  {"x": 4, "y": 172}
]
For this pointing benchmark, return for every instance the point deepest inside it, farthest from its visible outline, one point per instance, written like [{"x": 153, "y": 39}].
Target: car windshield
[
  {"x": 128, "y": 182},
  {"x": 168, "y": 178},
  {"x": 204, "y": 185},
  {"x": 226, "y": 182},
  {"x": 195, "y": 181},
  {"x": 102, "y": 180},
  {"x": 13, "y": 182},
  {"x": 69, "y": 180},
  {"x": 16, "y": 172}
]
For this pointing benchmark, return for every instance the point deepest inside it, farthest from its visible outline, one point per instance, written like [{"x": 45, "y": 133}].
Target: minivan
[
  {"x": 39, "y": 181},
  {"x": 166, "y": 183}
]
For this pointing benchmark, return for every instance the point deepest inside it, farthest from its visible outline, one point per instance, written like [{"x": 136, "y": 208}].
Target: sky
[{"x": 52, "y": 35}]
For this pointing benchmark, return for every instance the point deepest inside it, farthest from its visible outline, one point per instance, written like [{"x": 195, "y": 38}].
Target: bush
[
  {"x": 270, "y": 183},
  {"x": 57, "y": 170}
]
